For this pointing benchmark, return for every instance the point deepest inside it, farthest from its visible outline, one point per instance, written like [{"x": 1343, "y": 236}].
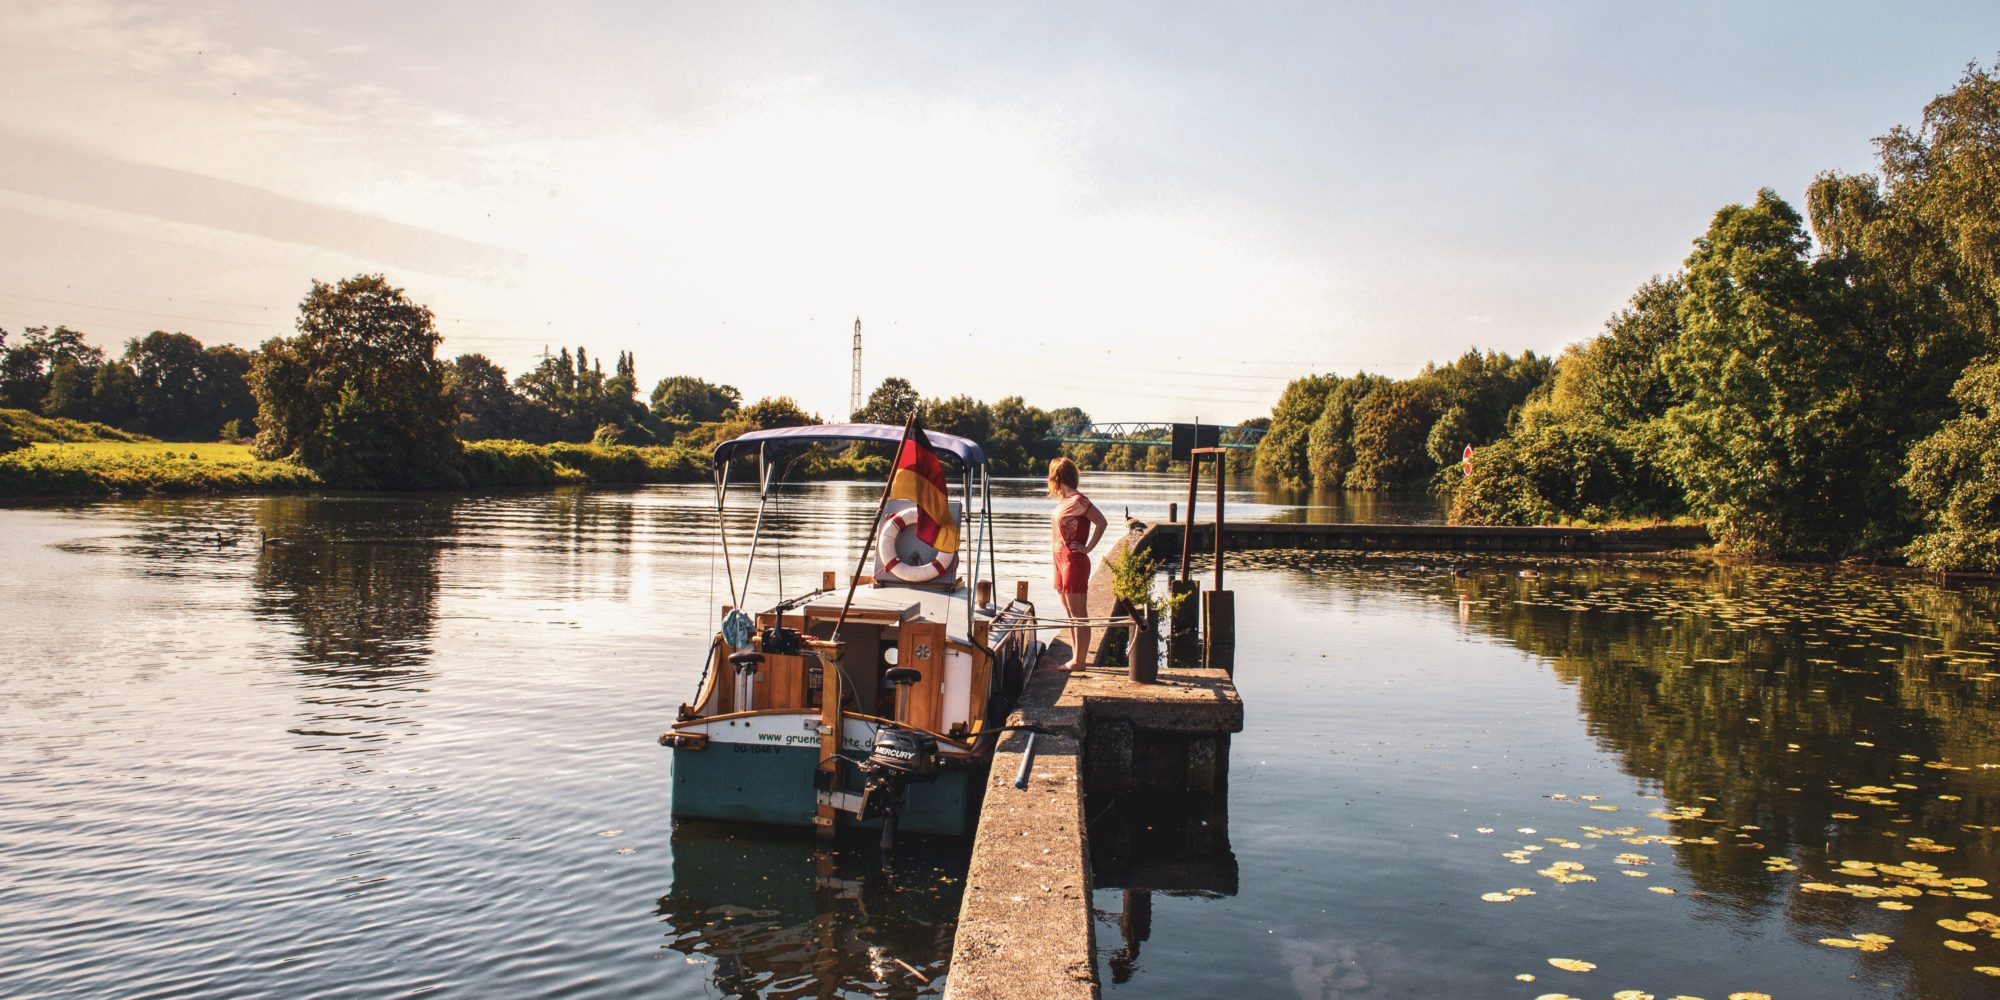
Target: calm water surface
[
  {"x": 412, "y": 751},
  {"x": 1698, "y": 772}
]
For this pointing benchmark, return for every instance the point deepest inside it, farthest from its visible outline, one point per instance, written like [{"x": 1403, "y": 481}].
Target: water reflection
[
  {"x": 356, "y": 584},
  {"x": 811, "y": 923},
  {"x": 1819, "y": 744}
]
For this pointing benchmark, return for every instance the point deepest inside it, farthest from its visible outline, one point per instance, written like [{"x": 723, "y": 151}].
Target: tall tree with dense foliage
[
  {"x": 114, "y": 394},
  {"x": 777, "y": 411},
  {"x": 174, "y": 394},
  {"x": 359, "y": 395},
  {"x": 226, "y": 389},
  {"x": 1954, "y": 475},
  {"x": 25, "y": 368},
  {"x": 890, "y": 403},
  {"x": 71, "y": 391},
  {"x": 1019, "y": 441},
  {"x": 1282, "y": 454},
  {"x": 1767, "y": 441},
  {"x": 1330, "y": 443},
  {"x": 487, "y": 405},
  {"x": 688, "y": 399},
  {"x": 1392, "y": 426}
]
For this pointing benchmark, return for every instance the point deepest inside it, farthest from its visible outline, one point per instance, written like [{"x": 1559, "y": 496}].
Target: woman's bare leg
[{"x": 1077, "y": 605}]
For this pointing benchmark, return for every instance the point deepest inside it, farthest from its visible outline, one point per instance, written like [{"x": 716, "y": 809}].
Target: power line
[{"x": 136, "y": 312}]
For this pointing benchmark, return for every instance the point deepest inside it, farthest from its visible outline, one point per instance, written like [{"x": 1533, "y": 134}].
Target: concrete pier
[{"x": 1024, "y": 927}]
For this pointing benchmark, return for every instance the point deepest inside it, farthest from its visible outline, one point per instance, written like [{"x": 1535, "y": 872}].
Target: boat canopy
[{"x": 965, "y": 450}]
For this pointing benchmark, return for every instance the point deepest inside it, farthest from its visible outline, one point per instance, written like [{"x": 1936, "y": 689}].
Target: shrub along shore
[{"x": 67, "y": 458}]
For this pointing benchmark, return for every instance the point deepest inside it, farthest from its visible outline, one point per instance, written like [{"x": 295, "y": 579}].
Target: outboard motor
[
  {"x": 908, "y": 755},
  {"x": 899, "y": 758}
]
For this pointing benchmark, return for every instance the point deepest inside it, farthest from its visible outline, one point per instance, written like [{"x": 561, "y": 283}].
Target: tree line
[
  {"x": 163, "y": 384},
  {"x": 360, "y": 397},
  {"x": 1820, "y": 384}
]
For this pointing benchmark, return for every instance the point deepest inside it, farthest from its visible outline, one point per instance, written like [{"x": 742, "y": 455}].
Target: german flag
[{"x": 918, "y": 477}]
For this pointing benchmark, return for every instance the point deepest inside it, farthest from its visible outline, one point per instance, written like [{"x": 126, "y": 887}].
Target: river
[{"x": 411, "y": 750}]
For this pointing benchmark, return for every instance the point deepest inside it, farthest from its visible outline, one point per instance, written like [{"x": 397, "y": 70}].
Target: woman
[{"x": 1074, "y": 529}]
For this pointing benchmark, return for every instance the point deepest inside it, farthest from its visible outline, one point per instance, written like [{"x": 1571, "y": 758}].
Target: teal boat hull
[{"x": 749, "y": 783}]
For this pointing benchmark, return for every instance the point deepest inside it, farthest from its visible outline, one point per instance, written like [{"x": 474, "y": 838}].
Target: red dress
[{"x": 1069, "y": 529}]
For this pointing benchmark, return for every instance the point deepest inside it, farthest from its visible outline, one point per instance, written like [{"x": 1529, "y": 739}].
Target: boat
[{"x": 870, "y": 703}]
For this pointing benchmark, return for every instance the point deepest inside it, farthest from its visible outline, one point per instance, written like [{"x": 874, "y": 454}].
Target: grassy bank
[
  {"x": 108, "y": 467},
  {"x": 115, "y": 467},
  {"x": 25, "y": 426}
]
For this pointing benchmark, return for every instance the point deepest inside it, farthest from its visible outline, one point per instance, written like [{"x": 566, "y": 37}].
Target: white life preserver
[{"x": 893, "y": 564}]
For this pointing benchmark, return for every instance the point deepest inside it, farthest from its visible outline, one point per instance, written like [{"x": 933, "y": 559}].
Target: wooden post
[
  {"x": 829, "y": 729},
  {"x": 1173, "y": 513},
  {"x": 829, "y": 580},
  {"x": 984, "y": 589},
  {"x": 1218, "y": 612},
  {"x": 1187, "y": 532},
  {"x": 1020, "y": 590},
  {"x": 1218, "y": 522},
  {"x": 1186, "y": 615}
]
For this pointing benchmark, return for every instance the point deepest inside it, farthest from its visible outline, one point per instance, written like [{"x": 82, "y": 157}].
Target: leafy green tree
[
  {"x": 1391, "y": 426},
  {"x": 567, "y": 398},
  {"x": 226, "y": 385},
  {"x": 1019, "y": 443},
  {"x": 694, "y": 400},
  {"x": 173, "y": 385},
  {"x": 1488, "y": 386},
  {"x": 1943, "y": 175},
  {"x": 25, "y": 368},
  {"x": 12, "y": 438},
  {"x": 777, "y": 411},
  {"x": 890, "y": 403},
  {"x": 960, "y": 415},
  {"x": 70, "y": 392},
  {"x": 1330, "y": 443},
  {"x": 114, "y": 394},
  {"x": 1954, "y": 475},
  {"x": 1449, "y": 436},
  {"x": 1282, "y": 457},
  {"x": 487, "y": 406},
  {"x": 1503, "y": 489},
  {"x": 1772, "y": 441},
  {"x": 359, "y": 395}
]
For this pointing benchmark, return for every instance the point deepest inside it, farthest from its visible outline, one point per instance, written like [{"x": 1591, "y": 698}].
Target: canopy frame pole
[
  {"x": 763, "y": 496},
  {"x": 722, "y": 529},
  {"x": 986, "y": 513},
  {"x": 965, "y": 511}
]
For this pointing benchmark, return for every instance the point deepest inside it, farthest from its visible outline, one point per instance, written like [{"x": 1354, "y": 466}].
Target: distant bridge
[{"x": 1151, "y": 434}]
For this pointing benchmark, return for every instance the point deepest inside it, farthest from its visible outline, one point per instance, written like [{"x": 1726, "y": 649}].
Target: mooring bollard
[
  {"x": 1186, "y": 615},
  {"x": 1142, "y": 654},
  {"x": 1218, "y": 647},
  {"x": 1218, "y": 615}
]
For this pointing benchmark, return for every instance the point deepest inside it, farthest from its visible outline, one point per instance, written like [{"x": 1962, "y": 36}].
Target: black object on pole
[{"x": 1188, "y": 437}]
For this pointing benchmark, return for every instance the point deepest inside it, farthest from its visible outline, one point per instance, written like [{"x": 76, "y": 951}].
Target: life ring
[{"x": 893, "y": 564}]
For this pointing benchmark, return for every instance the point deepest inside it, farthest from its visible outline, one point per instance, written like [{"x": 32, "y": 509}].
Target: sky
[{"x": 1155, "y": 211}]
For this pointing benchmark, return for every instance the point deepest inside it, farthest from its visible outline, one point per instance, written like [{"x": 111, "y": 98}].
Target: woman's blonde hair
[{"x": 1062, "y": 472}]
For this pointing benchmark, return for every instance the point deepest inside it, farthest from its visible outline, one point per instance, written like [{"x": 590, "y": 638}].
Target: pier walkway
[{"x": 1025, "y": 927}]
